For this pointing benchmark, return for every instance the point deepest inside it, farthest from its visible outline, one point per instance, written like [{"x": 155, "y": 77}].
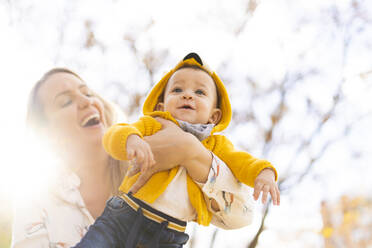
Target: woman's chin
[{"x": 93, "y": 134}]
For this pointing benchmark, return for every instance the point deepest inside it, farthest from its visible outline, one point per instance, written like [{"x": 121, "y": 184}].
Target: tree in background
[
  {"x": 293, "y": 75},
  {"x": 347, "y": 222},
  {"x": 5, "y": 222}
]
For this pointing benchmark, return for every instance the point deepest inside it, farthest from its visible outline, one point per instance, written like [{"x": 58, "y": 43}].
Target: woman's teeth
[{"x": 90, "y": 120}]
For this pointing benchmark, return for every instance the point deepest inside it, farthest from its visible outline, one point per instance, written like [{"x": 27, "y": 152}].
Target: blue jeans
[{"x": 121, "y": 226}]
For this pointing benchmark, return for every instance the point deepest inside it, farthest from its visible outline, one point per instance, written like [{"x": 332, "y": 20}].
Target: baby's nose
[{"x": 187, "y": 95}]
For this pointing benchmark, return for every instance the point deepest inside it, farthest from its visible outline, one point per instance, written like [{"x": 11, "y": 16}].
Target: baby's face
[{"x": 191, "y": 96}]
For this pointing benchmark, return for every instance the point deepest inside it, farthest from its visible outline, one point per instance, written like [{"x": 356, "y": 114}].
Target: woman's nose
[{"x": 84, "y": 101}]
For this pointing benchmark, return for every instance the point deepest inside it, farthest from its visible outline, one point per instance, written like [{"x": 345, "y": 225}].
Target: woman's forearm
[
  {"x": 169, "y": 149},
  {"x": 172, "y": 146},
  {"x": 198, "y": 161}
]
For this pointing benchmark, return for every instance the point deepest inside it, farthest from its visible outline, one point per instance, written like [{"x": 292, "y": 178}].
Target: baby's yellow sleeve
[
  {"x": 115, "y": 138},
  {"x": 244, "y": 166}
]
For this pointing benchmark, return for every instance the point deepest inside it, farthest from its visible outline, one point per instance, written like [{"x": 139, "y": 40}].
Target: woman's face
[{"x": 75, "y": 117}]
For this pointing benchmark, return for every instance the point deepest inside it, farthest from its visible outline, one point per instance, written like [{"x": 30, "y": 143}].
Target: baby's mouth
[{"x": 187, "y": 106}]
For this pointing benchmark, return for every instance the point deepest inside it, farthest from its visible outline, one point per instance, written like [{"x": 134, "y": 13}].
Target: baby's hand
[
  {"x": 265, "y": 182},
  {"x": 139, "y": 151}
]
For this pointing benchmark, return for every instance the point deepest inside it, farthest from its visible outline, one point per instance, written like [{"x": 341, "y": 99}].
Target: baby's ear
[
  {"x": 215, "y": 116},
  {"x": 159, "y": 106}
]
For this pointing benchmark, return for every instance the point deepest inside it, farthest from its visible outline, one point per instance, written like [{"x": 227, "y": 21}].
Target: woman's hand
[
  {"x": 166, "y": 146},
  {"x": 265, "y": 183},
  {"x": 171, "y": 147}
]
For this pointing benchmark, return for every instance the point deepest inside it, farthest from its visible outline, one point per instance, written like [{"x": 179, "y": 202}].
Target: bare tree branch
[{"x": 254, "y": 241}]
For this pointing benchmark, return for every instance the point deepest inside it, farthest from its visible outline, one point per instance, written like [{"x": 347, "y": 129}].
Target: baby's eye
[
  {"x": 200, "y": 92},
  {"x": 88, "y": 94},
  {"x": 177, "y": 90}
]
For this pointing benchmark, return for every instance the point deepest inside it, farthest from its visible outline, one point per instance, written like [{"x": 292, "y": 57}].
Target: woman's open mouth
[{"x": 91, "y": 121}]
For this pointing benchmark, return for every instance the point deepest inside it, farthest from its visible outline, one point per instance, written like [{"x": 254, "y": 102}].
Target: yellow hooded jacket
[{"x": 244, "y": 166}]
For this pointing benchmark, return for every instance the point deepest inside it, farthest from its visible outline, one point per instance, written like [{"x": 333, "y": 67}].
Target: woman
[{"x": 74, "y": 119}]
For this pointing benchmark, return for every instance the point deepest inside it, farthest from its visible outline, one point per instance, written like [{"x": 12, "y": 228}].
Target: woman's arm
[{"x": 171, "y": 147}]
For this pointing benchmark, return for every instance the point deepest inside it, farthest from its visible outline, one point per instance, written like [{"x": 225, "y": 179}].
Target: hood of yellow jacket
[{"x": 192, "y": 59}]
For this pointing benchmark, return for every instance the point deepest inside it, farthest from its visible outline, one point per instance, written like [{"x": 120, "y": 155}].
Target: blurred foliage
[
  {"x": 347, "y": 223},
  {"x": 5, "y": 235},
  {"x": 304, "y": 126},
  {"x": 5, "y": 222}
]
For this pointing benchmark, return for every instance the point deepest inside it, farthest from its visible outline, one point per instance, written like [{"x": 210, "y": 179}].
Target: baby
[{"x": 193, "y": 97}]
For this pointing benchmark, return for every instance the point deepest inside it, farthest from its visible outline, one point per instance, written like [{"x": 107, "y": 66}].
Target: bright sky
[{"x": 282, "y": 36}]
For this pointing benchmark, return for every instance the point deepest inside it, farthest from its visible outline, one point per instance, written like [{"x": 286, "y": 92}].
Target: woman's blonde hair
[{"x": 36, "y": 120}]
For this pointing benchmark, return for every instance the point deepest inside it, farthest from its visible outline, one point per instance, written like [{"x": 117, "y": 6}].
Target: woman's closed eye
[
  {"x": 66, "y": 102},
  {"x": 86, "y": 92}
]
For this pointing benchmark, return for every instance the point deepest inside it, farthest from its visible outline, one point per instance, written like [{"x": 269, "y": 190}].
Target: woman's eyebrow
[
  {"x": 83, "y": 86},
  {"x": 68, "y": 91},
  {"x": 61, "y": 93}
]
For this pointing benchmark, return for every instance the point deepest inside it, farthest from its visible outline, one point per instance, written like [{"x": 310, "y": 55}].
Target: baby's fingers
[
  {"x": 257, "y": 190},
  {"x": 147, "y": 162},
  {"x": 140, "y": 157},
  {"x": 130, "y": 154},
  {"x": 133, "y": 170},
  {"x": 265, "y": 190},
  {"x": 274, "y": 196},
  {"x": 142, "y": 179},
  {"x": 149, "y": 155},
  {"x": 144, "y": 162},
  {"x": 277, "y": 194}
]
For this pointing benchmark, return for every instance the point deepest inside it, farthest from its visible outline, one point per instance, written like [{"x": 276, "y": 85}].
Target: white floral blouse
[{"x": 59, "y": 219}]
